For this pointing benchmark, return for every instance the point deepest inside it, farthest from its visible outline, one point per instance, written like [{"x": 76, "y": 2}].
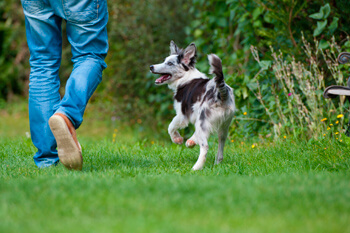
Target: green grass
[{"x": 133, "y": 185}]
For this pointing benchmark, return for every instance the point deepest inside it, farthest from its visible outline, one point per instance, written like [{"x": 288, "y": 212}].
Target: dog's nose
[{"x": 151, "y": 68}]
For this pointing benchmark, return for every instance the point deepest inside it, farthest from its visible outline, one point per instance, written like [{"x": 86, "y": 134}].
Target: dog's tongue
[{"x": 163, "y": 78}]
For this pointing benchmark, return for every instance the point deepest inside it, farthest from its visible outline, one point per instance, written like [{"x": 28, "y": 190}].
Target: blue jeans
[{"x": 87, "y": 34}]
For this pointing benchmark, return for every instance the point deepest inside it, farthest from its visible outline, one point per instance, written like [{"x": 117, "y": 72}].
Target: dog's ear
[
  {"x": 174, "y": 50},
  {"x": 189, "y": 55}
]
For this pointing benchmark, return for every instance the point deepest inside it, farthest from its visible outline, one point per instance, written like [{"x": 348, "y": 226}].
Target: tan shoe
[{"x": 68, "y": 147}]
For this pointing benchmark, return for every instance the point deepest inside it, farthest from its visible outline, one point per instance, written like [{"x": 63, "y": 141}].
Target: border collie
[{"x": 207, "y": 103}]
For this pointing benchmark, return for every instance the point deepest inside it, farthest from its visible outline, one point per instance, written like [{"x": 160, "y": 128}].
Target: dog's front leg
[
  {"x": 203, "y": 143},
  {"x": 191, "y": 142},
  {"x": 177, "y": 123},
  {"x": 201, "y": 136}
]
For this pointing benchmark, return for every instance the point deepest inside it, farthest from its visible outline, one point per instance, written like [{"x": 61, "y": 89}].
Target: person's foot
[{"x": 68, "y": 147}]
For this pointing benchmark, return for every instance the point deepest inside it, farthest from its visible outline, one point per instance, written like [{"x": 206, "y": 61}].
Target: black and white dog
[{"x": 207, "y": 103}]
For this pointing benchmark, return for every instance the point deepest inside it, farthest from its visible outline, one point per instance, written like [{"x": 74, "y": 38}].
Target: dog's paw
[
  {"x": 190, "y": 143},
  {"x": 197, "y": 167},
  {"x": 178, "y": 140},
  {"x": 218, "y": 161},
  {"x": 199, "y": 164}
]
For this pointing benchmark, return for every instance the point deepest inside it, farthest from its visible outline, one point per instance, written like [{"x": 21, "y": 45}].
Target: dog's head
[{"x": 176, "y": 65}]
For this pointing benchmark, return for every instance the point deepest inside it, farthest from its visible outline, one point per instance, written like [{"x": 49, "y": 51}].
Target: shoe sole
[{"x": 68, "y": 152}]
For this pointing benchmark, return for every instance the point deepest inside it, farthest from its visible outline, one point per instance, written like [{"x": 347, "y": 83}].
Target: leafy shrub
[
  {"x": 139, "y": 34},
  {"x": 13, "y": 51}
]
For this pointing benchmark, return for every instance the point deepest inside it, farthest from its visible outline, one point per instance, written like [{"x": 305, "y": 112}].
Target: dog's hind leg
[
  {"x": 178, "y": 122},
  {"x": 222, "y": 135},
  {"x": 202, "y": 135}
]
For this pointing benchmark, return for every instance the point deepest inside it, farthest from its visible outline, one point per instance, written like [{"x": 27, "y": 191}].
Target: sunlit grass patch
[
  {"x": 136, "y": 183},
  {"x": 148, "y": 187}
]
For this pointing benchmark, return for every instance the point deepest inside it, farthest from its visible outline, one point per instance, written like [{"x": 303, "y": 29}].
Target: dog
[{"x": 209, "y": 104}]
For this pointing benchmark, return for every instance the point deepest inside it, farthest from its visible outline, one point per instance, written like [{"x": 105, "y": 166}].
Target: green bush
[
  {"x": 139, "y": 35},
  {"x": 13, "y": 50}
]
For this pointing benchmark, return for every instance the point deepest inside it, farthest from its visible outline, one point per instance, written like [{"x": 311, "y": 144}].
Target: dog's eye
[{"x": 170, "y": 63}]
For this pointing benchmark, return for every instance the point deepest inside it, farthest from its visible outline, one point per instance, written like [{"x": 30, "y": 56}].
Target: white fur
[{"x": 220, "y": 112}]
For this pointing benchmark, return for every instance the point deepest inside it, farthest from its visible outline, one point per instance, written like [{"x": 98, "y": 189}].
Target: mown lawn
[{"x": 145, "y": 186}]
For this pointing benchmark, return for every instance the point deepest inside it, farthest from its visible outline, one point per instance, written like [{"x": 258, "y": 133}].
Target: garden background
[
  {"x": 296, "y": 43},
  {"x": 286, "y": 165}
]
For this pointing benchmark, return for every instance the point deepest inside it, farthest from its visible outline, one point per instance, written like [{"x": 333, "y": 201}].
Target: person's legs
[
  {"x": 43, "y": 30},
  {"x": 87, "y": 34}
]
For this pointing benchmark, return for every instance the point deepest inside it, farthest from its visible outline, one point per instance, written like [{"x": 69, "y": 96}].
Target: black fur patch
[
  {"x": 205, "y": 113},
  {"x": 180, "y": 56},
  {"x": 185, "y": 67},
  {"x": 190, "y": 93},
  {"x": 217, "y": 69},
  {"x": 202, "y": 116},
  {"x": 209, "y": 95}
]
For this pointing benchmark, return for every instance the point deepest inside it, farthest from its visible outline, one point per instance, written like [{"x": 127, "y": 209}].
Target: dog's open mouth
[{"x": 163, "y": 78}]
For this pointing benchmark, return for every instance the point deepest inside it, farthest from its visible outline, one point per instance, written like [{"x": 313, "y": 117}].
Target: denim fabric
[{"x": 87, "y": 34}]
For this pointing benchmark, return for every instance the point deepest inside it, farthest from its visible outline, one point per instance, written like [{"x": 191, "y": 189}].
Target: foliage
[
  {"x": 321, "y": 25},
  {"x": 13, "y": 51},
  {"x": 139, "y": 36}
]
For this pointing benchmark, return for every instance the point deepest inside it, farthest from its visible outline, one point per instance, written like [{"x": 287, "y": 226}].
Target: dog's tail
[{"x": 216, "y": 68}]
